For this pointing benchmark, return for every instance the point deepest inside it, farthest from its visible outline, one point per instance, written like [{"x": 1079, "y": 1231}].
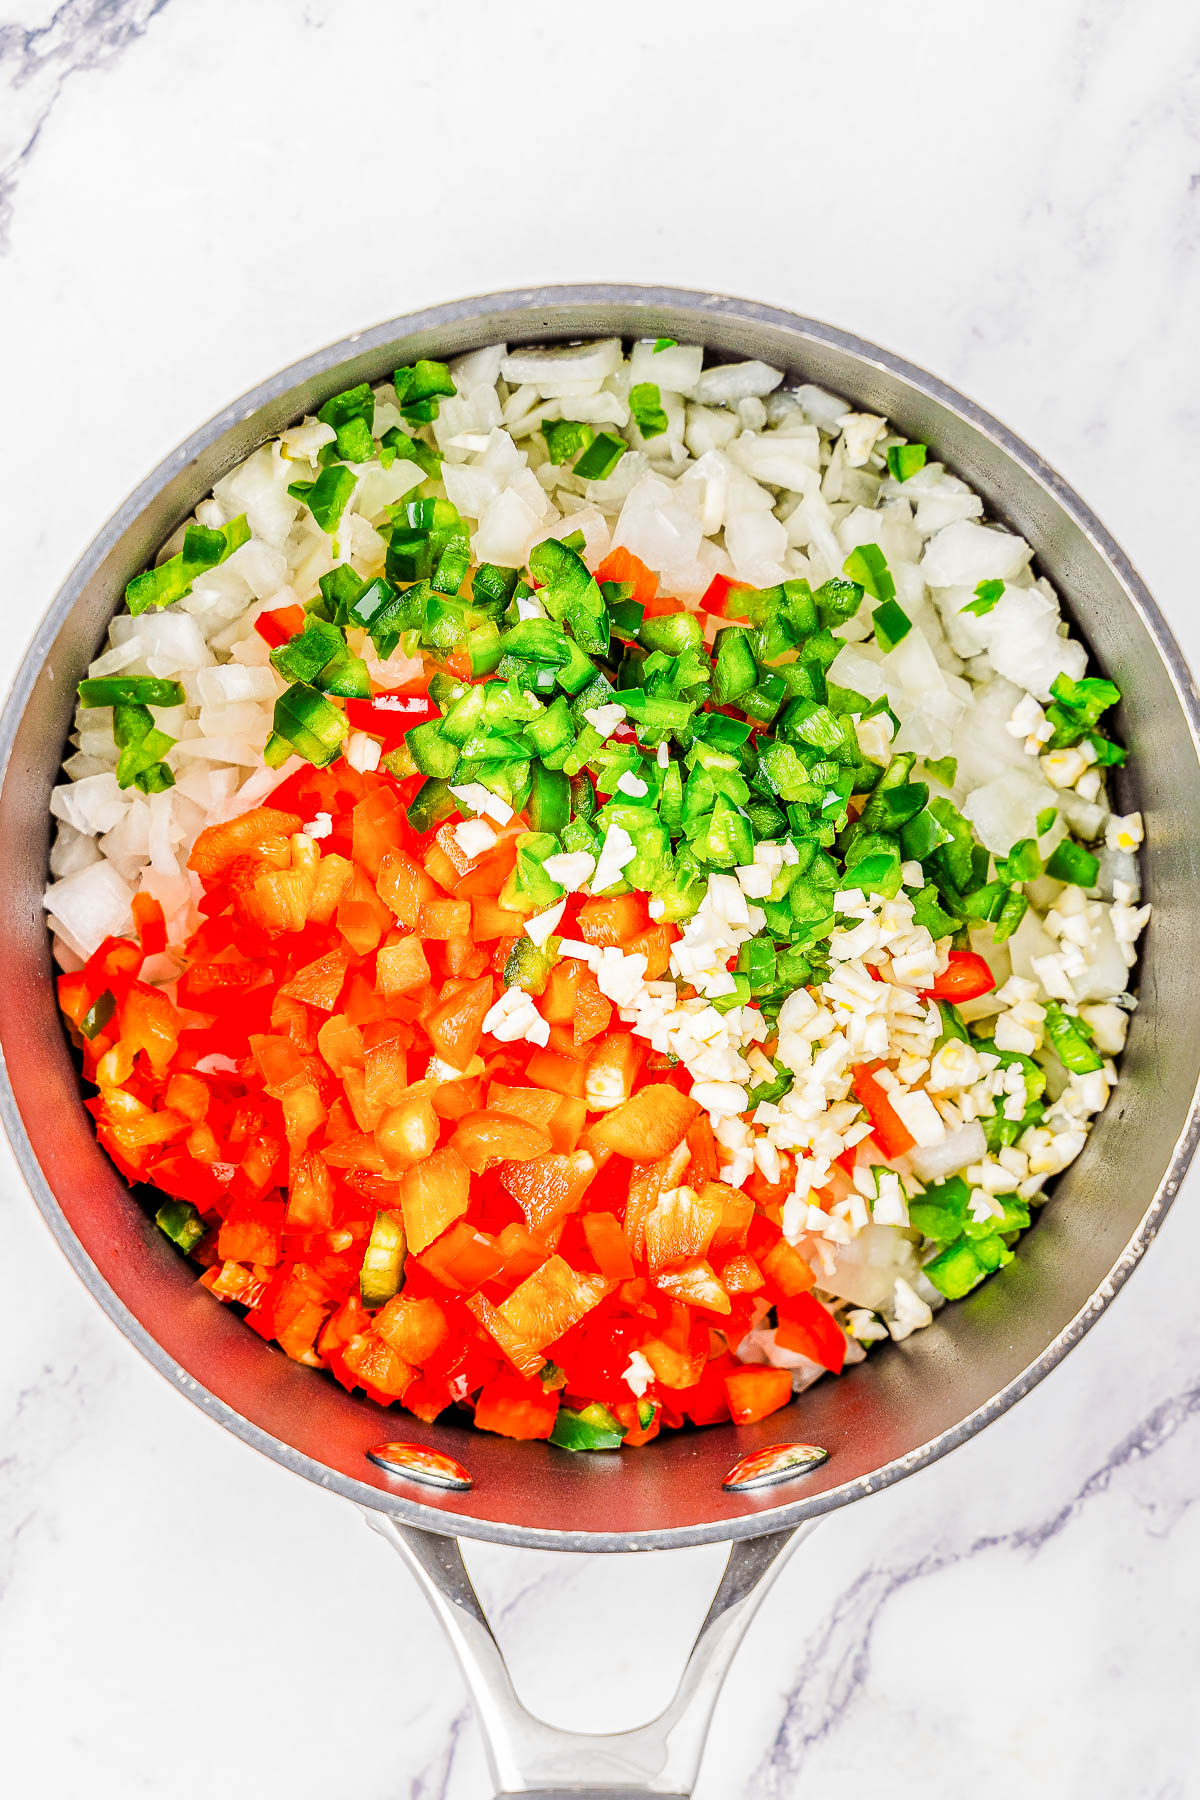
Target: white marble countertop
[{"x": 192, "y": 195}]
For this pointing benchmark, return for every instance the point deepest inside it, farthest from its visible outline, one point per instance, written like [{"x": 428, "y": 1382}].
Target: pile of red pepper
[{"x": 323, "y": 1073}]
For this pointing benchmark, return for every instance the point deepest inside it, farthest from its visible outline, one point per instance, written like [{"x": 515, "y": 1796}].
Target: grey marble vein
[
  {"x": 433, "y": 1783},
  {"x": 36, "y": 61},
  {"x": 52, "y": 1401},
  {"x": 840, "y": 1657}
]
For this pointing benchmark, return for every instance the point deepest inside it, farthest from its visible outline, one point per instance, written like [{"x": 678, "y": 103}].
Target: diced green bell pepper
[
  {"x": 326, "y": 498},
  {"x": 433, "y": 751},
  {"x": 383, "y": 1263},
  {"x": 430, "y": 805},
  {"x": 941, "y": 1210},
  {"x": 1072, "y": 1040},
  {"x": 549, "y": 799},
  {"x": 130, "y": 690},
  {"x": 1070, "y": 862},
  {"x": 595, "y": 1428},
  {"x": 956, "y": 1270},
  {"x": 98, "y": 1015},
  {"x": 203, "y": 549},
  {"x": 553, "y": 729},
  {"x": 182, "y": 1224},
  {"x": 347, "y": 677},
  {"x": 528, "y": 888},
  {"x": 528, "y": 965},
  {"x": 304, "y": 656}
]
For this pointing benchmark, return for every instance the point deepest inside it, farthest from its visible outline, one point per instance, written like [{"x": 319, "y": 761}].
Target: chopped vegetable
[
  {"x": 326, "y": 498},
  {"x": 601, "y": 457},
  {"x": 645, "y": 403},
  {"x": 904, "y": 460},
  {"x": 892, "y": 624},
  {"x": 171, "y": 580},
  {"x": 867, "y": 567}
]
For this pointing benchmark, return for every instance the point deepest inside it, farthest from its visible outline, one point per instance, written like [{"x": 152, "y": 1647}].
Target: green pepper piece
[
  {"x": 1070, "y": 862},
  {"x": 734, "y": 668},
  {"x": 313, "y": 727},
  {"x": 570, "y": 593},
  {"x": 868, "y": 567},
  {"x": 956, "y": 1270},
  {"x": 351, "y": 415},
  {"x": 549, "y": 799},
  {"x": 98, "y": 1014},
  {"x": 553, "y": 729},
  {"x": 929, "y": 912},
  {"x": 1009, "y": 917},
  {"x": 1072, "y": 1040},
  {"x": 528, "y": 888},
  {"x": 952, "y": 1025},
  {"x": 347, "y": 677},
  {"x": 672, "y": 633},
  {"x": 182, "y": 1224},
  {"x": 594, "y": 1428},
  {"x": 430, "y": 805},
  {"x": 326, "y": 497},
  {"x": 491, "y": 582},
  {"x": 130, "y": 690},
  {"x": 600, "y": 457},
  {"x": 383, "y": 1263},
  {"x": 202, "y": 549},
  {"x": 645, "y": 403},
  {"x": 892, "y": 625},
  {"x": 528, "y": 965},
  {"x": 941, "y": 1211},
  {"x": 903, "y": 460},
  {"x": 565, "y": 438},
  {"x": 304, "y": 656},
  {"x": 432, "y": 749}
]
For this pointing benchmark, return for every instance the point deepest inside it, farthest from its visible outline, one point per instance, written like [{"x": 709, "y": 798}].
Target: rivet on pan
[
  {"x": 781, "y": 1462},
  {"x": 416, "y": 1462}
]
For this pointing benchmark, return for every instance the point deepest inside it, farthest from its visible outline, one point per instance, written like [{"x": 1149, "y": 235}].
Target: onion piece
[{"x": 936, "y": 1161}]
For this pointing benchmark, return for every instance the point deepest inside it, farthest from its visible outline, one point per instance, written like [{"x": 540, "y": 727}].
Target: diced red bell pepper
[
  {"x": 649, "y": 1125},
  {"x": 112, "y": 967},
  {"x": 965, "y": 977},
  {"x": 891, "y": 1133},
  {"x": 607, "y": 1243},
  {"x": 550, "y": 1301},
  {"x": 615, "y": 921},
  {"x": 622, "y": 565},
  {"x": 805, "y": 1326},
  {"x": 416, "y": 1328},
  {"x": 547, "y": 1188},
  {"x": 483, "y": 1139},
  {"x": 516, "y": 1408},
  {"x": 753, "y": 1393},
  {"x": 462, "y": 1259},
  {"x": 280, "y": 624},
  {"x": 264, "y": 834},
  {"x": 435, "y": 1193},
  {"x": 150, "y": 924},
  {"x": 389, "y": 715},
  {"x": 715, "y": 598},
  {"x": 707, "y": 1402}
]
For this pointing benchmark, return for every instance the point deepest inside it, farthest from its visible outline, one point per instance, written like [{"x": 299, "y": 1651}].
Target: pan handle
[{"x": 532, "y": 1760}]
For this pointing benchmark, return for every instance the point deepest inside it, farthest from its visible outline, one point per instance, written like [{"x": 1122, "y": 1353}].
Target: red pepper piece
[{"x": 965, "y": 977}]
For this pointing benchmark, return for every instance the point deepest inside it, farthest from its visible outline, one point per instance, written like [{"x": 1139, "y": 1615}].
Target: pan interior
[{"x": 908, "y": 1402}]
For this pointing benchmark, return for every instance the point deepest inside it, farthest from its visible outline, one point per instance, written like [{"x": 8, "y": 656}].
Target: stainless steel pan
[{"x": 909, "y": 1403}]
